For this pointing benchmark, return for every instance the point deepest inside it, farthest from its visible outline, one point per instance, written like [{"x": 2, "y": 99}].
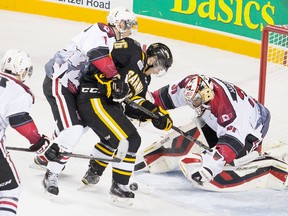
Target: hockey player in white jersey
[
  {"x": 90, "y": 48},
  {"x": 234, "y": 124},
  {"x": 16, "y": 100}
]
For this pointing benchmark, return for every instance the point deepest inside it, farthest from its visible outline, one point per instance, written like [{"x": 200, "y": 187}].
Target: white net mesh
[{"x": 276, "y": 92}]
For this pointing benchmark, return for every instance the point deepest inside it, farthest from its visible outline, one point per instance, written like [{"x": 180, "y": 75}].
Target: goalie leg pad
[
  {"x": 164, "y": 155},
  {"x": 163, "y": 165}
]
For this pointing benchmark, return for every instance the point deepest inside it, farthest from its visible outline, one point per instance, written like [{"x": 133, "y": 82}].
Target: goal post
[{"x": 273, "y": 83}]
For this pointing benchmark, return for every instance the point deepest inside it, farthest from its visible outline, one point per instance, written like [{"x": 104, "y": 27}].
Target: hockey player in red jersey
[
  {"x": 234, "y": 124},
  {"x": 89, "y": 49},
  {"x": 16, "y": 100}
]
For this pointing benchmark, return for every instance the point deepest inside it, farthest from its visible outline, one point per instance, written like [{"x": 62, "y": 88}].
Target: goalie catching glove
[
  {"x": 120, "y": 88},
  {"x": 202, "y": 167}
]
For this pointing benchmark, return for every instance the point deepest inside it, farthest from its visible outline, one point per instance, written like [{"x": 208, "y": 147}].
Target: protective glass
[
  {"x": 26, "y": 73},
  {"x": 159, "y": 63},
  {"x": 29, "y": 71},
  {"x": 128, "y": 24},
  {"x": 193, "y": 100},
  {"x": 158, "y": 66}
]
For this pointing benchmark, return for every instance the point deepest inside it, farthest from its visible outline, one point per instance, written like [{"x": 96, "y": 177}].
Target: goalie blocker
[{"x": 174, "y": 151}]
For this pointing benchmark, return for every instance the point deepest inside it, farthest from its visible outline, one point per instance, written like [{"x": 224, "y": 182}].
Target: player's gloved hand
[
  {"x": 212, "y": 164},
  {"x": 164, "y": 121},
  {"x": 53, "y": 153},
  {"x": 41, "y": 145},
  {"x": 120, "y": 88},
  {"x": 201, "y": 175}
]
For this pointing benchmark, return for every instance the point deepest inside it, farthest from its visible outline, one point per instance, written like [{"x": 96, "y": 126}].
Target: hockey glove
[
  {"x": 164, "y": 121},
  {"x": 212, "y": 164},
  {"x": 53, "y": 153},
  {"x": 41, "y": 145},
  {"x": 120, "y": 89}
]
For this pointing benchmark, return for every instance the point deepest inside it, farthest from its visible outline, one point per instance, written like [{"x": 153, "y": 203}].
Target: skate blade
[
  {"x": 121, "y": 202},
  {"x": 88, "y": 187},
  {"x": 85, "y": 182},
  {"x": 50, "y": 196}
]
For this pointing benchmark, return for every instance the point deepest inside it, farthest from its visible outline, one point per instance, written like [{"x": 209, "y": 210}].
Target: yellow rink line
[{"x": 146, "y": 25}]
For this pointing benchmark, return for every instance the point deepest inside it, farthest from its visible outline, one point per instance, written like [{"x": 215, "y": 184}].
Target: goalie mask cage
[{"x": 273, "y": 83}]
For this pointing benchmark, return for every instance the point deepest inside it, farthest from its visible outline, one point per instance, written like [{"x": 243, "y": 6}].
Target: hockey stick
[
  {"x": 67, "y": 154},
  {"x": 139, "y": 107},
  {"x": 153, "y": 115}
]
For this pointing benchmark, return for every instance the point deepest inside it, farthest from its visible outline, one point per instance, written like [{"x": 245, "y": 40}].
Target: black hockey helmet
[{"x": 163, "y": 53}]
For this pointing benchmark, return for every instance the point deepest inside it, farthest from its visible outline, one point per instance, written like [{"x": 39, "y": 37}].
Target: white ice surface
[{"x": 166, "y": 194}]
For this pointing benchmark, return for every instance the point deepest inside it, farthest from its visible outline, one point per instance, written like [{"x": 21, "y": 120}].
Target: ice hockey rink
[{"x": 159, "y": 194}]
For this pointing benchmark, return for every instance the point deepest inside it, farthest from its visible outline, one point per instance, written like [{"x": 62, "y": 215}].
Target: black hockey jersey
[{"x": 130, "y": 59}]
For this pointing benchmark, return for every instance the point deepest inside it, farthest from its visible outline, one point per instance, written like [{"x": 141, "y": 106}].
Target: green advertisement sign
[{"x": 241, "y": 17}]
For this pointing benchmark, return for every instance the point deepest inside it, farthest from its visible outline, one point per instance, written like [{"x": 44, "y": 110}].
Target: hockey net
[{"x": 273, "y": 83}]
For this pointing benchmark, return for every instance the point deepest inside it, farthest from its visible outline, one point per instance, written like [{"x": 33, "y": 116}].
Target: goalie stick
[
  {"x": 177, "y": 129},
  {"x": 67, "y": 154}
]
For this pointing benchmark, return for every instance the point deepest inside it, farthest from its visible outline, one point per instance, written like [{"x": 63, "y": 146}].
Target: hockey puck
[{"x": 133, "y": 186}]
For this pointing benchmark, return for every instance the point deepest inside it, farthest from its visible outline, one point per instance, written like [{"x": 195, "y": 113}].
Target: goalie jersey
[{"x": 232, "y": 114}]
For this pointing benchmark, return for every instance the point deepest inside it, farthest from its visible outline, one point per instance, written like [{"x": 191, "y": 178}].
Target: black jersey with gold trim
[{"x": 129, "y": 59}]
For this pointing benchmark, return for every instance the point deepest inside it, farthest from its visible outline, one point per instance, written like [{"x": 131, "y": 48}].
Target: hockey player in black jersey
[
  {"x": 93, "y": 47},
  {"x": 118, "y": 136}
]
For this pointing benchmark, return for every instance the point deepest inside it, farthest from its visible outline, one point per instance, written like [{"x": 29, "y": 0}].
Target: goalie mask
[
  {"x": 198, "y": 93},
  {"x": 17, "y": 63},
  {"x": 122, "y": 19},
  {"x": 163, "y": 55}
]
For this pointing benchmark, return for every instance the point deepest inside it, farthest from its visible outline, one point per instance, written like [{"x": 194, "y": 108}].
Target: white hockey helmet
[
  {"x": 122, "y": 18},
  {"x": 17, "y": 63},
  {"x": 198, "y": 93}
]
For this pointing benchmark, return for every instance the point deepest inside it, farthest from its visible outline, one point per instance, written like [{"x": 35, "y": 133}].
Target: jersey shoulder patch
[{"x": 105, "y": 28}]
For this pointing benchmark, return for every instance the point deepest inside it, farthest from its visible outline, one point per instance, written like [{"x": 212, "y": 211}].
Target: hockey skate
[
  {"x": 50, "y": 183},
  {"x": 91, "y": 176},
  {"x": 42, "y": 162},
  {"x": 121, "y": 195}
]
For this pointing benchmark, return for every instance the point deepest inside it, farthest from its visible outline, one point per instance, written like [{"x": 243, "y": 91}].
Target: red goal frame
[{"x": 263, "y": 59}]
